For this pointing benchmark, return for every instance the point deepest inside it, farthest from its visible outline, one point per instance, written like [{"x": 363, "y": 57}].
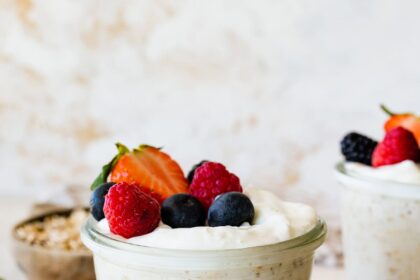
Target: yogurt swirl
[{"x": 403, "y": 172}]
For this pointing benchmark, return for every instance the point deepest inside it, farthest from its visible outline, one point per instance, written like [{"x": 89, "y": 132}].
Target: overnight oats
[
  {"x": 380, "y": 204},
  {"x": 150, "y": 222}
]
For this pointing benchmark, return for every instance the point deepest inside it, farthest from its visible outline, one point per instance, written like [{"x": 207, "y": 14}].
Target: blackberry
[{"x": 358, "y": 148}]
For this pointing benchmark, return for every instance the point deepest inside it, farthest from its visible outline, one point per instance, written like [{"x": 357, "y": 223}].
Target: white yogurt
[
  {"x": 403, "y": 172},
  {"x": 275, "y": 221}
]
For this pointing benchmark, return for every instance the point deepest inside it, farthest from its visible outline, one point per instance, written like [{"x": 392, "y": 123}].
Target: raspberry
[
  {"x": 398, "y": 145},
  {"x": 358, "y": 148},
  {"x": 192, "y": 171},
  {"x": 129, "y": 211},
  {"x": 212, "y": 179}
]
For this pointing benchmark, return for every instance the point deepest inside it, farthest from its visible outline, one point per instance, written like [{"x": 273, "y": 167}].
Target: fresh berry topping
[
  {"x": 230, "y": 209},
  {"x": 406, "y": 120},
  {"x": 212, "y": 179},
  {"x": 183, "y": 211},
  {"x": 358, "y": 148},
  {"x": 398, "y": 145},
  {"x": 97, "y": 200},
  {"x": 192, "y": 171},
  {"x": 152, "y": 170},
  {"x": 129, "y": 211}
]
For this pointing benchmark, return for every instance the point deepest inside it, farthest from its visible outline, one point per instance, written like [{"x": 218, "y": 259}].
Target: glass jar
[
  {"x": 117, "y": 260},
  {"x": 381, "y": 227}
]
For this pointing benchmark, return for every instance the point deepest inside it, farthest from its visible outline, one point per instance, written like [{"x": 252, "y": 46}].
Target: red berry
[
  {"x": 212, "y": 179},
  {"x": 398, "y": 145},
  {"x": 129, "y": 211},
  {"x": 154, "y": 171}
]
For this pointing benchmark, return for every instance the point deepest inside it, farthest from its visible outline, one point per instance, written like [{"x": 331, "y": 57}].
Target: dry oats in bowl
[{"x": 48, "y": 246}]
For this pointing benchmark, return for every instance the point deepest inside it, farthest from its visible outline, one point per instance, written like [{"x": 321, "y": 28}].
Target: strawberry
[
  {"x": 152, "y": 170},
  {"x": 407, "y": 120},
  {"x": 398, "y": 145}
]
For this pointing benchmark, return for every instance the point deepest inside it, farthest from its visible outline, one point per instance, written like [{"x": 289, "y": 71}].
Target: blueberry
[
  {"x": 183, "y": 211},
  {"x": 190, "y": 176},
  {"x": 230, "y": 209},
  {"x": 97, "y": 200}
]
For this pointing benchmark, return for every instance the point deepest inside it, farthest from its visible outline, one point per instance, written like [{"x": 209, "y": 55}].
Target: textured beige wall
[{"x": 267, "y": 87}]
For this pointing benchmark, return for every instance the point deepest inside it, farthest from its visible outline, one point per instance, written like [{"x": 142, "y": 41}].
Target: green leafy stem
[
  {"x": 391, "y": 113},
  {"x": 107, "y": 168}
]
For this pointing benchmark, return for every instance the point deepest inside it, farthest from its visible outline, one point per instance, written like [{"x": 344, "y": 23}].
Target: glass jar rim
[
  {"x": 382, "y": 186},
  {"x": 317, "y": 233}
]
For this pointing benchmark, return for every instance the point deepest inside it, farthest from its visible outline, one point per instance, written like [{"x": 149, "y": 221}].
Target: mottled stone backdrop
[{"x": 267, "y": 87}]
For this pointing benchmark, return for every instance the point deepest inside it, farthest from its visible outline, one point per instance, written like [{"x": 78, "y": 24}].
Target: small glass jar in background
[{"x": 381, "y": 227}]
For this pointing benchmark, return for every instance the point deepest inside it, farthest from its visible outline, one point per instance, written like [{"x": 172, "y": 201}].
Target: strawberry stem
[
  {"x": 122, "y": 149},
  {"x": 107, "y": 168},
  {"x": 387, "y": 111},
  {"x": 142, "y": 147},
  {"x": 391, "y": 114}
]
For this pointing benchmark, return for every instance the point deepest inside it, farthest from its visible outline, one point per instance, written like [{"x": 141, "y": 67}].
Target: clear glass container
[
  {"x": 117, "y": 260},
  {"x": 381, "y": 227}
]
